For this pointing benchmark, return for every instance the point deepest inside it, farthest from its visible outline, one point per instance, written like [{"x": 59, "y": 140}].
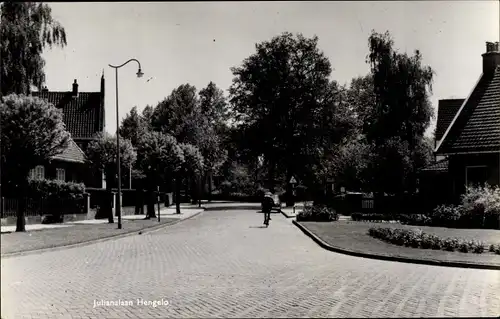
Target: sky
[{"x": 198, "y": 42}]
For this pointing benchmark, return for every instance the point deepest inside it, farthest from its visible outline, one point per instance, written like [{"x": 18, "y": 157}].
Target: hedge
[
  {"x": 54, "y": 189},
  {"x": 317, "y": 213}
]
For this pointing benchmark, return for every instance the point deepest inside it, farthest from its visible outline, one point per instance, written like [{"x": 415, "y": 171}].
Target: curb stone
[
  {"x": 431, "y": 262},
  {"x": 90, "y": 242},
  {"x": 287, "y": 216}
]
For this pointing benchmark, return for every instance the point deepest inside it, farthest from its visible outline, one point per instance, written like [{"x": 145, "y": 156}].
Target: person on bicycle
[{"x": 267, "y": 205}]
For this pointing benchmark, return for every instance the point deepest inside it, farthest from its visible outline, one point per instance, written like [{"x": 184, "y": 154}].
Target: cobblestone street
[{"x": 223, "y": 264}]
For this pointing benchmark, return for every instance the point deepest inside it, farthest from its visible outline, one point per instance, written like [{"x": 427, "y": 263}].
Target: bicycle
[{"x": 267, "y": 218}]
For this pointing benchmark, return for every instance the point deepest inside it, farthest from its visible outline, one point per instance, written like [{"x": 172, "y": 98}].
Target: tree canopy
[
  {"x": 26, "y": 30},
  {"x": 32, "y": 130},
  {"x": 102, "y": 153},
  {"x": 286, "y": 106}
]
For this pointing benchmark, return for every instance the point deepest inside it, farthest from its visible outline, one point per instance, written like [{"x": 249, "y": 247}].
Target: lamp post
[{"x": 118, "y": 205}]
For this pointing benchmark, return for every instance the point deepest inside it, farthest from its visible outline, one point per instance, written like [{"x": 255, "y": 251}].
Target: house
[
  {"x": 469, "y": 145},
  {"x": 83, "y": 114}
]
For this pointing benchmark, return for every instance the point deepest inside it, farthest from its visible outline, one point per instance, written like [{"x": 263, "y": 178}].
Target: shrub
[
  {"x": 416, "y": 238},
  {"x": 53, "y": 189},
  {"x": 415, "y": 219},
  {"x": 463, "y": 247},
  {"x": 446, "y": 215},
  {"x": 317, "y": 213},
  {"x": 372, "y": 217},
  {"x": 492, "y": 248},
  {"x": 478, "y": 247},
  {"x": 450, "y": 244},
  {"x": 481, "y": 206}
]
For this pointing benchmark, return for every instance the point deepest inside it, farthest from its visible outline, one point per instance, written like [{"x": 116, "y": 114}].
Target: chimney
[
  {"x": 491, "y": 59},
  {"x": 75, "y": 89}
]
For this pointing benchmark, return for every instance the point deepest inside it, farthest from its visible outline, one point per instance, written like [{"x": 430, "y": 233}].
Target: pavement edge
[
  {"x": 344, "y": 251},
  {"x": 95, "y": 241}
]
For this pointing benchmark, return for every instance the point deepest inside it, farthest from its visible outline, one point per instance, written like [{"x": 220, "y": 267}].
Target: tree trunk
[
  {"x": 151, "y": 200},
  {"x": 209, "y": 186},
  {"x": 178, "y": 183},
  {"x": 105, "y": 209},
  {"x": 21, "y": 207},
  {"x": 194, "y": 189}
]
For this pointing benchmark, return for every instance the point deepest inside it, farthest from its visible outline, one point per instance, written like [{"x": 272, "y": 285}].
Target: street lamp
[{"x": 118, "y": 206}]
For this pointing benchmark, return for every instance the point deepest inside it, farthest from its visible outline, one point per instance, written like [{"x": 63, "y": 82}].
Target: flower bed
[{"x": 418, "y": 239}]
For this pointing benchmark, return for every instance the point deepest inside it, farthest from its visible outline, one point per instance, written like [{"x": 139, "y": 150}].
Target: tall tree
[
  {"x": 402, "y": 86},
  {"x": 281, "y": 95},
  {"x": 402, "y": 110},
  {"x": 32, "y": 132},
  {"x": 160, "y": 157},
  {"x": 102, "y": 155},
  {"x": 181, "y": 116},
  {"x": 133, "y": 126},
  {"x": 215, "y": 110},
  {"x": 26, "y": 30},
  {"x": 213, "y": 104}
]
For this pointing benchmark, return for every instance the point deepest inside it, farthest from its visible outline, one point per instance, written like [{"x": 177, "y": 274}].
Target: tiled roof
[
  {"x": 441, "y": 165},
  {"x": 447, "y": 109},
  {"x": 477, "y": 128},
  {"x": 83, "y": 115},
  {"x": 72, "y": 153}
]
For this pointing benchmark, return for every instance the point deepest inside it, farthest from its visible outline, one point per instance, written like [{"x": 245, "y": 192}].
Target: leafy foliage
[
  {"x": 54, "y": 189},
  {"x": 317, "y": 213},
  {"x": 416, "y": 238},
  {"x": 402, "y": 86},
  {"x": 134, "y": 126},
  {"x": 158, "y": 153},
  {"x": 286, "y": 107},
  {"x": 32, "y": 130},
  {"x": 193, "y": 160},
  {"x": 26, "y": 29},
  {"x": 392, "y": 109},
  {"x": 102, "y": 152},
  {"x": 213, "y": 104}
]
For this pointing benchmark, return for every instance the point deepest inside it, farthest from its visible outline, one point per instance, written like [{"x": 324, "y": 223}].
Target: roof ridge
[{"x": 464, "y": 103}]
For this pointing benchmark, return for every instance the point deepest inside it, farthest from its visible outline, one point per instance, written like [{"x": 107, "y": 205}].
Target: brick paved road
[{"x": 221, "y": 264}]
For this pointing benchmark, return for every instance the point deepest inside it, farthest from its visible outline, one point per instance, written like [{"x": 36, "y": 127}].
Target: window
[
  {"x": 60, "y": 174},
  {"x": 476, "y": 175},
  {"x": 37, "y": 172}
]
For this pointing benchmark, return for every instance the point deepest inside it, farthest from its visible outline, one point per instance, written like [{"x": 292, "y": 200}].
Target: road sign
[{"x": 293, "y": 180}]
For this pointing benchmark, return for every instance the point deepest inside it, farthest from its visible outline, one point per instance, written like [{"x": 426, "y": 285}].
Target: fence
[
  {"x": 41, "y": 206},
  {"x": 407, "y": 204}
]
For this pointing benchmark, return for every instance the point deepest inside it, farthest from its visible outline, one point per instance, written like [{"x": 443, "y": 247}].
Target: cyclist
[{"x": 267, "y": 205}]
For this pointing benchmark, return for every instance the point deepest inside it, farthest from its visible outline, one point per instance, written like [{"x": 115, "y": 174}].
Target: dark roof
[
  {"x": 441, "y": 165},
  {"x": 447, "y": 109},
  {"x": 83, "y": 115},
  {"x": 477, "y": 127},
  {"x": 72, "y": 153}
]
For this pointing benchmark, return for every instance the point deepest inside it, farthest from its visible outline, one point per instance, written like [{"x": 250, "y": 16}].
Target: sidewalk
[
  {"x": 39, "y": 238},
  {"x": 167, "y": 212}
]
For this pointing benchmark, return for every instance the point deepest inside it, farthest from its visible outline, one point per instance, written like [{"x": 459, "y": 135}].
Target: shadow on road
[{"x": 257, "y": 227}]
